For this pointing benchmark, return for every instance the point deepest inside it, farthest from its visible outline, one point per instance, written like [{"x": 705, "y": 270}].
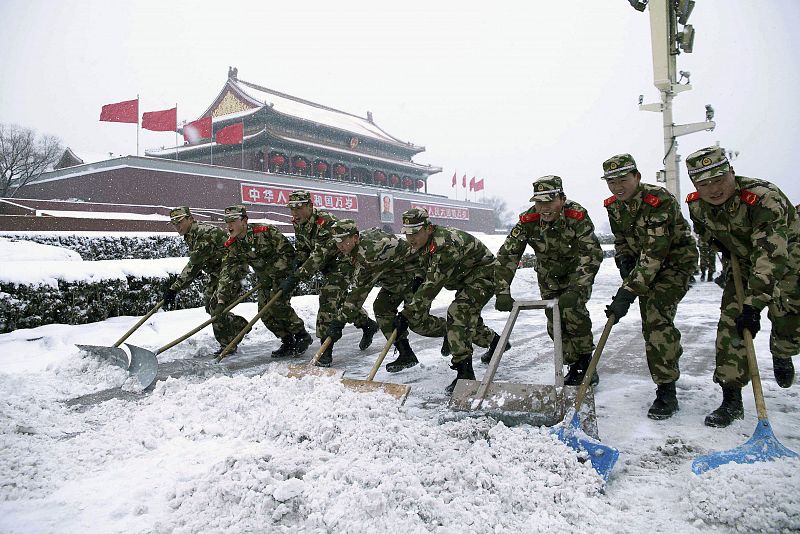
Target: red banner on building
[
  {"x": 275, "y": 195},
  {"x": 444, "y": 212}
]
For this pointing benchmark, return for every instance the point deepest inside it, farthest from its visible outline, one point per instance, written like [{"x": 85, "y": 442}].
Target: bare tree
[
  {"x": 24, "y": 156},
  {"x": 502, "y": 217}
]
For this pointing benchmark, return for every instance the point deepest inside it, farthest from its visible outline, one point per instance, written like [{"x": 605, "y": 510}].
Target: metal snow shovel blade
[
  {"x": 229, "y": 347},
  {"x": 311, "y": 369},
  {"x": 143, "y": 366},
  {"x": 514, "y": 403},
  {"x": 398, "y": 391},
  {"x": 571, "y": 434},
  {"x": 763, "y": 446}
]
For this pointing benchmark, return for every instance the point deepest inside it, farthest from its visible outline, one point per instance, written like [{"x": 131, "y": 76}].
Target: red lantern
[
  {"x": 407, "y": 182},
  {"x": 394, "y": 179},
  {"x": 339, "y": 169},
  {"x": 420, "y": 184},
  {"x": 300, "y": 164},
  {"x": 379, "y": 177},
  {"x": 322, "y": 167},
  {"x": 277, "y": 160}
]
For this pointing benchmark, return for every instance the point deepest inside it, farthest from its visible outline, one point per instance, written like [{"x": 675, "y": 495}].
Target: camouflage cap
[
  {"x": 299, "y": 198},
  {"x": 707, "y": 163},
  {"x": 547, "y": 188},
  {"x": 178, "y": 214},
  {"x": 415, "y": 220},
  {"x": 235, "y": 212},
  {"x": 343, "y": 228},
  {"x": 618, "y": 166}
]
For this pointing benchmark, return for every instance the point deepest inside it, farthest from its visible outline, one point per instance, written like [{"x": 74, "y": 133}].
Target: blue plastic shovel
[
  {"x": 763, "y": 446},
  {"x": 601, "y": 456}
]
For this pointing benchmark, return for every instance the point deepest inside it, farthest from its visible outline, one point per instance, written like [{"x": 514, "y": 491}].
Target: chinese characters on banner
[
  {"x": 272, "y": 195},
  {"x": 444, "y": 212}
]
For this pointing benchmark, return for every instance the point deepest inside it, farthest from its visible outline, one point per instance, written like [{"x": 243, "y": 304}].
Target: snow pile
[
  {"x": 48, "y": 272},
  {"x": 14, "y": 251}
]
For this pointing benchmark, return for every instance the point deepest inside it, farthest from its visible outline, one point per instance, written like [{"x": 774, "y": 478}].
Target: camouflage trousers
[
  {"x": 708, "y": 262},
  {"x": 280, "y": 318},
  {"x": 784, "y": 339},
  {"x": 662, "y": 340},
  {"x": 227, "y": 327},
  {"x": 464, "y": 322},
  {"x": 385, "y": 308},
  {"x": 576, "y": 328},
  {"x": 332, "y": 296}
]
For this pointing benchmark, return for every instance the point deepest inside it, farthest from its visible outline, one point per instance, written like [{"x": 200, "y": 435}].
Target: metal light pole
[{"x": 667, "y": 43}]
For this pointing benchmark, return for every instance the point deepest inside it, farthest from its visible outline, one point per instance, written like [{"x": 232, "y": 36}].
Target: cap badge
[
  {"x": 612, "y": 165},
  {"x": 706, "y": 161}
]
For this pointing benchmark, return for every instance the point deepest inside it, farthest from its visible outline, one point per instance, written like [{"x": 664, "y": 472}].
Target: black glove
[
  {"x": 169, "y": 298},
  {"x": 416, "y": 283},
  {"x": 749, "y": 318},
  {"x": 625, "y": 264},
  {"x": 287, "y": 285},
  {"x": 717, "y": 244},
  {"x": 503, "y": 302},
  {"x": 334, "y": 331},
  {"x": 620, "y": 304},
  {"x": 401, "y": 324},
  {"x": 568, "y": 299}
]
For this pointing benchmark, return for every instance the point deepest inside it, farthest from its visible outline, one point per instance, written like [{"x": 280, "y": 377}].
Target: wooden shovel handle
[
  {"x": 138, "y": 324},
  {"x": 322, "y": 348},
  {"x": 379, "y": 361},
  {"x": 598, "y": 350},
  {"x": 246, "y": 329}
]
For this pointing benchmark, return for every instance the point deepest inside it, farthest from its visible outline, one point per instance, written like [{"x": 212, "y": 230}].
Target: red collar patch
[
  {"x": 432, "y": 248},
  {"x": 230, "y": 241},
  {"x": 610, "y": 200},
  {"x": 575, "y": 214},
  {"x": 320, "y": 221},
  {"x": 748, "y": 197},
  {"x": 691, "y": 197},
  {"x": 529, "y": 217},
  {"x": 652, "y": 200}
]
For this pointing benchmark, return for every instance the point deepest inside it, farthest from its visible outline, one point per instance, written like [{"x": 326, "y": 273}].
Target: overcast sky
[{"x": 492, "y": 90}]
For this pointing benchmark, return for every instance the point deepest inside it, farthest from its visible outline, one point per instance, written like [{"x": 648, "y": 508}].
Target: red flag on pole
[
  {"x": 464, "y": 181},
  {"x": 479, "y": 185},
  {"x": 231, "y": 135},
  {"x": 454, "y": 180},
  {"x": 472, "y": 184},
  {"x": 127, "y": 111},
  {"x": 197, "y": 130},
  {"x": 161, "y": 121}
]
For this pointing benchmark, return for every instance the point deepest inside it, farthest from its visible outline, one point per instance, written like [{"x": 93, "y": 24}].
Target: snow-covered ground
[{"x": 244, "y": 452}]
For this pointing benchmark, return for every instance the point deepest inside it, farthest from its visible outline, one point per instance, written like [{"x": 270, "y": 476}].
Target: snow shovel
[
  {"x": 143, "y": 366},
  {"x": 602, "y": 456},
  {"x": 513, "y": 403},
  {"x": 398, "y": 391},
  {"x": 763, "y": 446},
  {"x": 311, "y": 369},
  {"x": 229, "y": 347}
]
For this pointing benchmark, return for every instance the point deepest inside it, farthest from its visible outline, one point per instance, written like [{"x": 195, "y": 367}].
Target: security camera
[
  {"x": 638, "y": 5},
  {"x": 686, "y": 39},
  {"x": 683, "y": 10},
  {"x": 709, "y": 112}
]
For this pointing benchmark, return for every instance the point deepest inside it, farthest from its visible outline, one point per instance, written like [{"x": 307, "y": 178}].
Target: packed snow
[{"x": 243, "y": 451}]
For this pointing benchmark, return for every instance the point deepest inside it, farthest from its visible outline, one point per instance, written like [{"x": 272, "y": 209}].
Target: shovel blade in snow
[
  {"x": 601, "y": 456},
  {"x": 398, "y": 391},
  {"x": 113, "y": 355},
  {"x": 762, "y": 447},
  {"x": 533, "y": 404},
  {"x": 299, "y": 371}
]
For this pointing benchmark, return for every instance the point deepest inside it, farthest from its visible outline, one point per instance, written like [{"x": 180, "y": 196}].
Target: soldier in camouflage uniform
[
  {"x": 383, "y": 260},
  {"x": 753, "y": 219},
  {"x": 656, "y": 254},
  {"x": 708, "y": 259},
  {"x": 206, "y": 250},
  {"x": 454, "y": 260},
  {"x": 317, "y": 252},
  {"x": 264, "y": 248},
  {"x": 568, "y": 256}
]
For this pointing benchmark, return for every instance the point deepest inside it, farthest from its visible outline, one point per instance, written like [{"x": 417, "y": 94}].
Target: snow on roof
[{"x": 103, "y": 215}]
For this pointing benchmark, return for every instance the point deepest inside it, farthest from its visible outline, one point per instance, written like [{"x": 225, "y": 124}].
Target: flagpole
[
  {"x": 176, "y": 131},
  {"x": 137, "y": 124},
  {"x": 243, "y": 143}
]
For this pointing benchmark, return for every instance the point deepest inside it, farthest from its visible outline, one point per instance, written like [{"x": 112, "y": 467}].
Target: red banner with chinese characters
[
  {"x": 275, "y": 195},
  {"x": 444, "y": 212}
]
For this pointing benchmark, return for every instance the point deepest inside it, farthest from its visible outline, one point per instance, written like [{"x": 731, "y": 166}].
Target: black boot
[
  {"x": 465, "y": 372},
  {"x": 327, "y": 357},
  {"x": 487, "y": 356},
  {"x": 578, "y": 370},
  {"x": 666, "y": 402},
  {"x": 783, "y": 368},
  {"x": 302, "y": 341},
  {"x": 369, "y": 332},
  {"x": 405, "y": 359},
  {"x": 286, "y": 348},
  {"x": 730, "y": 409},
  {"x": 710, "y": 276},
  {"x": 703, "y": 275},
  {"x": 445, "y": 347}
]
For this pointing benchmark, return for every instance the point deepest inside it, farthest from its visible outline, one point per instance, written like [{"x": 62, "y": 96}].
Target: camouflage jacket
[
  {"x": 264, "y": 248},
  {"x": 206, "y": 250},
  {"x": 316, "y": 250},
  {"x": 759, "y": 225},
  {"x": 651, "y": 229},
  {"x": 568, "y": 254},
  {"x": 451, "y": 259},
  {"x": 383, "y": 260}
]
